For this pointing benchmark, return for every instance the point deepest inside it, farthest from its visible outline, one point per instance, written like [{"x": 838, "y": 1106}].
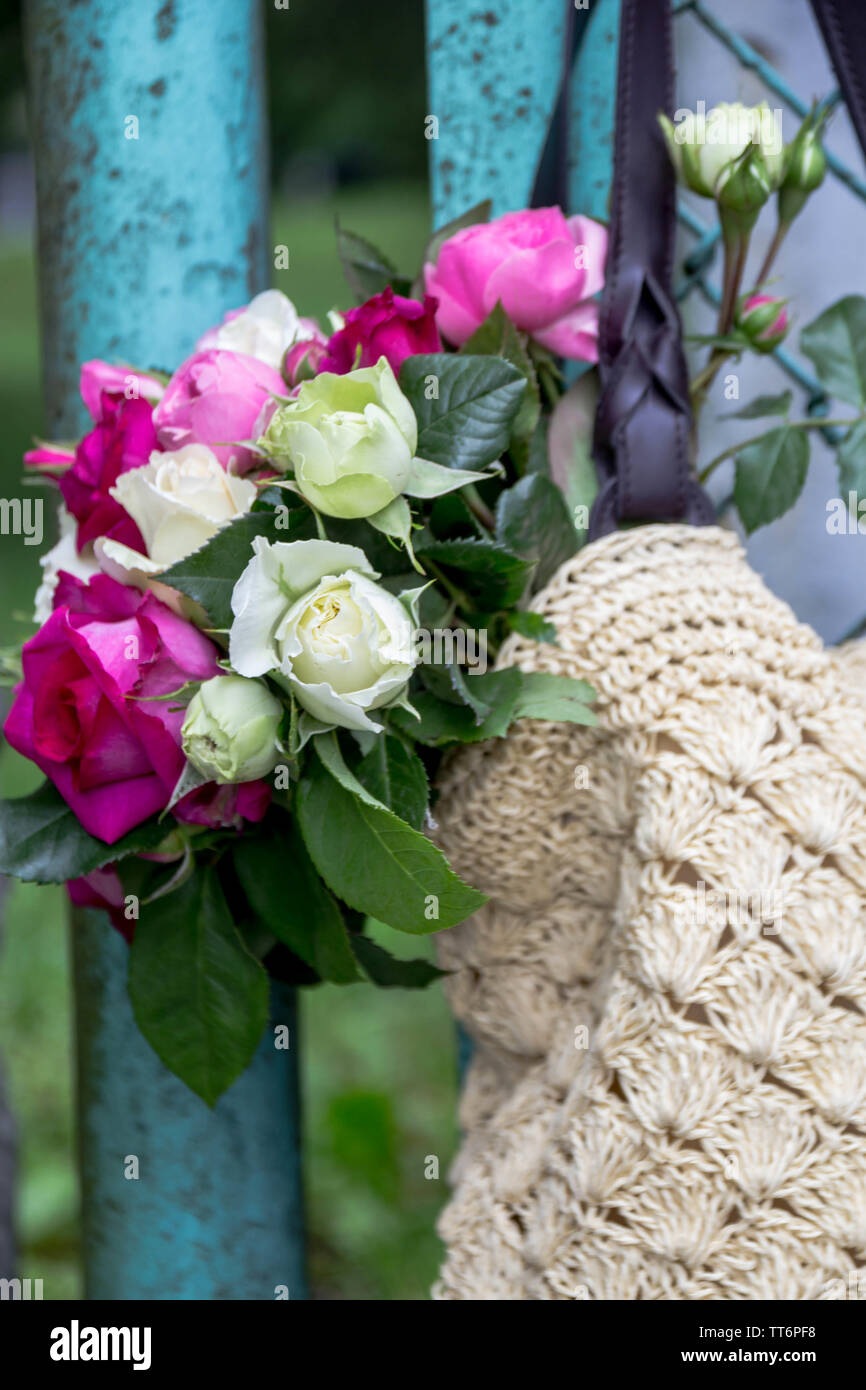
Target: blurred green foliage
[{"x": 379, "y": 1065}]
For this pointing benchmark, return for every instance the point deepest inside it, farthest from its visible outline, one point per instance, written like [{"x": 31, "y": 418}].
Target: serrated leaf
[
  {"x": 533, "y": 625},
  {"x": 198, "y": 994},
  {"x": 209, "y": 574},
  {"x": 368, "y": 270},
  {"x": 559, "y": 698},
  {"x": 498, "y": 336},
  {"x": 395, "y": 776},
  {"x": 835, "y": 342},
  {"x": 42, "y": 841},
  {"x": 373, "y": 860},
  {"x": 762, "y": 405},
  {"x": 532, "y": 520},
  {"x": 390, "y": 972},
  {"x": 442, "y": 722},
  {"x": 770, "y": 476},
  {"x": 490, "y": 574},
  {"x": 467, "y": 423},
  {"x": 304, "y": 915}
]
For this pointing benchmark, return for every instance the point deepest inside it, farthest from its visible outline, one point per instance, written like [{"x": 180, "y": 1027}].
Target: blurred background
[{"x": 379, "y": 1066}]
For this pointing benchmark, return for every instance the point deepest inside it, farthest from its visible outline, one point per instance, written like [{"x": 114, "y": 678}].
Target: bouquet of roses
[{"x": 283, "y": 575}]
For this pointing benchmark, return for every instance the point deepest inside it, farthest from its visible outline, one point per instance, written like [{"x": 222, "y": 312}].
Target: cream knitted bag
[{"x": 667, "y": 989}]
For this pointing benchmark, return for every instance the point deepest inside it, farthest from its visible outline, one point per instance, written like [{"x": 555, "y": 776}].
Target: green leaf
[
  {"x": 395, "y": 776},
  {"x": 497, "y": 336},
  {"x": 390, "y": 972},
  {"x": 468, "y": 421},
  {"x": 560, "y": 698},
  {"x": 762, "y": 405},
  {"x": 836, "y": 343},
  {"x": 533, "y": 520},
  {"x": 42, "y": 841},
  {"x": 370, "y": 858},
  {"x": 468, "y": 689},
  {"x": 442, "y": 722},
  {"x": 770, "y": 476},
  {"x": 511, "y": 695},
  {"x": 533, "y": 626},
  {"x": 851, "y": 461},
  {"x": 487, "y": 572},
  {"x": 304, "y": 917},
  {"x": 199, "y": 996},
  {"x": 209, "y": 574},
  {"x": 367, "y": 270}
]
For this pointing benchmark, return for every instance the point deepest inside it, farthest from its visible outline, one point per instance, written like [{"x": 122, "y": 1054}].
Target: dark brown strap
[
  {"x": 643, "y": 423},
  {"x": 843, "y": 26}
]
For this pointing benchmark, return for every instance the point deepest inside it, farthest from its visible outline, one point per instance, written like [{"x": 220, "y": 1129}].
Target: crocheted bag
[{"x": 667, "y": 989}]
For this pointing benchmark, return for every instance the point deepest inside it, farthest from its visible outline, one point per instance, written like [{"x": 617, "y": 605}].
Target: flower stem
[
  {"x": 772, "y": 252},
  {"x": 821, "y": 424}
]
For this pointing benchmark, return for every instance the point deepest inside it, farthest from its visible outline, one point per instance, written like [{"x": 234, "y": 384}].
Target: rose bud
[
  {"x": 703, "y": 148},
  {"x": 762, "y": 319},
  {"x": 806, "y": 165},
  {"x": 230, "y": 728}
]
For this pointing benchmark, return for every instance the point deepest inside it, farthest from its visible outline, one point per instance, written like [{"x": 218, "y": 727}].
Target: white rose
[
  {"x": 179, "y": 500},
  {"x": 62, "y": 556},
  {"x": 311, "y": 612},
  {"x": 265, "y": 329}
]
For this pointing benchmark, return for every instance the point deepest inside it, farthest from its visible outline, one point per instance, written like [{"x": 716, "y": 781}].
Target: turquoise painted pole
[{"x": 149, "y": 135}]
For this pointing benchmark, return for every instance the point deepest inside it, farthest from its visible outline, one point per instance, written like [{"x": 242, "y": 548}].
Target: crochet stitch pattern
[{"x": 667, "y": 1098}]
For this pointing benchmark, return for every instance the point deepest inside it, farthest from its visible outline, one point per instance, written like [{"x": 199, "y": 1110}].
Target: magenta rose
[
  {"x": 102, "y": 889},
  {"x": 215, "y": 398},
  {"x": 98, "y": 376},
  {"x": 123, "y": 438},
  {"x": 224, "y": 806},
  {"x": 543, "y": 266},
  {"x": 81, "y": 713},
  {"x": 385, "y": 326}
]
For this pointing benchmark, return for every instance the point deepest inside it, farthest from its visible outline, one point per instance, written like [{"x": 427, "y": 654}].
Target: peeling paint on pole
[
  {"x": 151, "y": 164},
  {"x": 151, "y": 168}
]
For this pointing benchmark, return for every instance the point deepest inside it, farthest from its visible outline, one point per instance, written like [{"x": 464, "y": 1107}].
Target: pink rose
[
  {"x": 214, "y": 398},
  {"x": 385, "y": 326},
  {"x": 543, "y": 266},
  {"x": 81, "y": 714},
  {"x": 50, "y": 459},
  {"x": 123, "y": 438},
  {"x": 304, "y": 360},
  {"x": 98, "y": 376}
]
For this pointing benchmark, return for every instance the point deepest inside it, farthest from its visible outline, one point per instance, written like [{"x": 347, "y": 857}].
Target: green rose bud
[
  {"x": 350, "y": 440},
  {"x": 704, "y": 146},
  {"x": 742, "y": 190},
  {"x": 230, "y": 730},
  {"x": 805, "y": 167}
]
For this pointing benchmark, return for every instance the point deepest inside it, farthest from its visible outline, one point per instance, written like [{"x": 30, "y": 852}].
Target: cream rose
[
  {"x": 310, "y": 613},
  {"x": 179, "y": 500}
]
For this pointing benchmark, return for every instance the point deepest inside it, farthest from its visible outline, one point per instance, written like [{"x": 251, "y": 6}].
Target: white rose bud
[
  {"x": 311, "y": 612},
  {"x": 179, "y": 500},
  {"x": 702, "y": 147},
  {"x": 230, "y": 729}
]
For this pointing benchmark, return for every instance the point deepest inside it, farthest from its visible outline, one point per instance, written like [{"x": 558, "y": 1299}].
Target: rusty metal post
[{"x": 149, "y": 136}]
